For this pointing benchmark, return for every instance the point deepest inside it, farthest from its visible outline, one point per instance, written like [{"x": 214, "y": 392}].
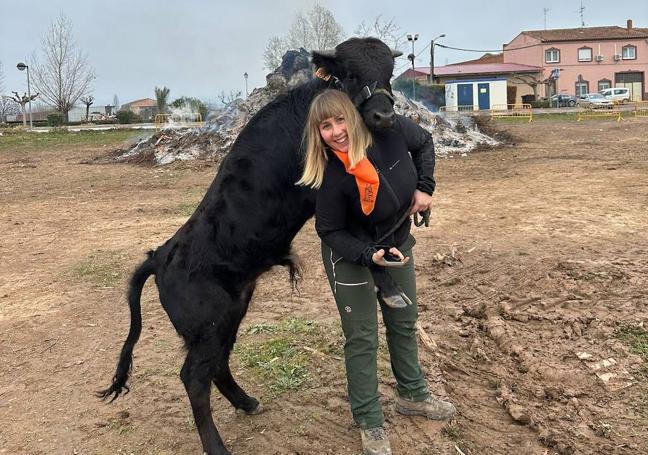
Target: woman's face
[{"x": 334, "y": 133}]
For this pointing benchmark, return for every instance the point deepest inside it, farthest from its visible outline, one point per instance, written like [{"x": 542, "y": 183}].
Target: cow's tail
[
  {"x": 126, "y": 357},
  {"x": 295, "y": 269}
]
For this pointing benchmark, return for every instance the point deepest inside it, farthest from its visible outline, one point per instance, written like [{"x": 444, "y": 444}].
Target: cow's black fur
[{"x": 206, "y": 273}]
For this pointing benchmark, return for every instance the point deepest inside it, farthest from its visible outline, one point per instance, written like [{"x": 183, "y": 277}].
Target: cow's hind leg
[
  {"x": 196, "y": 375},
  {"x": 223, "y": 379}
]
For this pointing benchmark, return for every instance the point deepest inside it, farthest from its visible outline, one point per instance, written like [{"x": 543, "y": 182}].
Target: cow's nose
[{"x": 384, "y": 119}]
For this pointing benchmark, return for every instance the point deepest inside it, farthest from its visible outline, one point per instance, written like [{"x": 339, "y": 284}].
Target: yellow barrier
[
  {"x": 593, "y": 113},
  {"x": 641, "y": 109},
  {"x": 511, "y": 111},
  {"x": 189, "y": 119}
]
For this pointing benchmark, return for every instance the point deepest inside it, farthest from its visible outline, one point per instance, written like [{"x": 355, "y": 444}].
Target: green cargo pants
[{"x": 353, "y": 289}]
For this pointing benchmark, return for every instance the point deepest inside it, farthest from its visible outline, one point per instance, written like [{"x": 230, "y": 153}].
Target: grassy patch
[
  {"x": 276, "y": 361},
  {"x": 101, "y": 268},
  {"x": 282, "y": 354},
  {"x": 184, "y": 209},
  {"x": 22, "y": 140},
  {"x": 636, "y": 338}
]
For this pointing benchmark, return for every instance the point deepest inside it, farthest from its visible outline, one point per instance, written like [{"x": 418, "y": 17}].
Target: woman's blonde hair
[{"x": 331, "y": 103}]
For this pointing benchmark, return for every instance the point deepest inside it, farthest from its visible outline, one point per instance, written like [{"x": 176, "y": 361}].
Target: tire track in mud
[{"x": 527, "y": 380}]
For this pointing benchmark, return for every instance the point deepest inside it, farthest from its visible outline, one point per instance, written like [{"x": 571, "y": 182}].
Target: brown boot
[
  {"x": 431, "y": 407},
  {"x": 375, "y": 442}
]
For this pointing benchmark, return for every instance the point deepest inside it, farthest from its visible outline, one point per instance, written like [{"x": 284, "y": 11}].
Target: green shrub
[
  {"x": 192, "y": 104},
  {"x": 540, "y": 103},
  {"x": 55, "y": 119},
  {"x": 127, "y": 116}
]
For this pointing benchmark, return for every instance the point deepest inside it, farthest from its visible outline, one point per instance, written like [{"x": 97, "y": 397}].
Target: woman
[{"x": 367, "y": 185}]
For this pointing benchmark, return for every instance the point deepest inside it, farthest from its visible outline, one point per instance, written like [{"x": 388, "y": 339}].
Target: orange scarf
[{"x": 366, "y": 179}]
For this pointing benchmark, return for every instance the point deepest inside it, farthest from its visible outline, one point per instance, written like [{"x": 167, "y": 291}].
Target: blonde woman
[{"x": 367, "y": 186}]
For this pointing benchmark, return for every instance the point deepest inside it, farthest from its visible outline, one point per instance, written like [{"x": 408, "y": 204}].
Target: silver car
[{"x": 594, "y": 101}]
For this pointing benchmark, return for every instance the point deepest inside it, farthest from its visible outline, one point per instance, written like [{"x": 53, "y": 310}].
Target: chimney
[{"x": 629, "y": 24}]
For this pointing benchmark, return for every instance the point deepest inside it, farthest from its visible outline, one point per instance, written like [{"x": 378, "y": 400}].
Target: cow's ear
[{"x": 324, "y": 59}]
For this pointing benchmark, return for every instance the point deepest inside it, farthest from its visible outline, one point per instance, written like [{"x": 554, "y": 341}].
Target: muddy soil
[{"x": 535, "y": 263}]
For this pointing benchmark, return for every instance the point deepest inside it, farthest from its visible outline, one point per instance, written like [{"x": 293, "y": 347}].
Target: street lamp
[
  {"x": 22, "y": 67},
  {"x": 432, "y": 44},
  {"x": 245, "y": 76},
  {"x": 413, "y": 37}
]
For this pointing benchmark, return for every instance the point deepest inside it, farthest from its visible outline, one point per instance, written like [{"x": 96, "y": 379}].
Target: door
[
  {"x": 483, "y": 96},
  {"x": 633, "y": 81},
  {"x": 465, "y": 95}
]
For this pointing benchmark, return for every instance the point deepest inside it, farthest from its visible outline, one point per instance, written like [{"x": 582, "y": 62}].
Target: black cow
[{"x": 206, "y": 273}]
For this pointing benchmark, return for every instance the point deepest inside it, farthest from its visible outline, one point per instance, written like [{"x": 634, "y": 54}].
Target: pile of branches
[{"x": 213, "y": 141}]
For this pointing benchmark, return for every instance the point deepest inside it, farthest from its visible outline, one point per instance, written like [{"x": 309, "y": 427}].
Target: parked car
[
  {"x": 563, "y": 100},
  {"x": 617, "y": 94},
  {"x": 594, "y": 101}
]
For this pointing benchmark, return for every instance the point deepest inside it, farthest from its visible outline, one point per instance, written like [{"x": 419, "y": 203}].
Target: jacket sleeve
[
  {"x": 331, "y": 225},
  {"x": 421, "y": 146}
]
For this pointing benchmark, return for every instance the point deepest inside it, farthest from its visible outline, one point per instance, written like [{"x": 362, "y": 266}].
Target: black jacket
[{"x": 340, "y": 222}]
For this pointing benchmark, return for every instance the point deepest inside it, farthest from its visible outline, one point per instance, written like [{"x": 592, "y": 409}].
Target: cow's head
[{"x": 362, "y": 67}]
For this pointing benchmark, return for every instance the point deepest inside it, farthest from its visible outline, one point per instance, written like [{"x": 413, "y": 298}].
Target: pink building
[{"x": 585, "y": 60}]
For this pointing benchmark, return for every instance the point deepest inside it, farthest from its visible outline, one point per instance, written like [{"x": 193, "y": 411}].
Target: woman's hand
[
  {"x": 379, "y": 257},
  {"x": 420, "y": 202}
]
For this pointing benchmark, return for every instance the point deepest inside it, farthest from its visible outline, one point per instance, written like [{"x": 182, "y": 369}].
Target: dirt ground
[{"x": 533, "y": 287}]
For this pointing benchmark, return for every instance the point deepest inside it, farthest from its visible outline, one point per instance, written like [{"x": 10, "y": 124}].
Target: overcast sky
[{"x": 202, "y": 47}]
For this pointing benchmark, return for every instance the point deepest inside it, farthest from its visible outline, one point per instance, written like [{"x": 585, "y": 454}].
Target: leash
[{"x": 425, "y": 220}]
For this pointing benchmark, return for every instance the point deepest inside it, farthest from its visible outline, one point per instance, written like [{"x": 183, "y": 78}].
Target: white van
[{"x": 617, "y": 94}]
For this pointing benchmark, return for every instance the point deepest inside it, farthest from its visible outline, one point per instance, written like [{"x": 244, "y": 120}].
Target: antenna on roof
[
  {"x": 581, "y": 10},
  {"x": 546, "y": 10}
]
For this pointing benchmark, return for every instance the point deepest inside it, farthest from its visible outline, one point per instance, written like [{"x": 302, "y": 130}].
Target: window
[
  {"x": 552, "y": 55},
  {"x": 582, "y": 88},
  {"x": 629, "y": 53},
  {"x": 585, "y": 54},
  {"x": 603, "y": 84}
]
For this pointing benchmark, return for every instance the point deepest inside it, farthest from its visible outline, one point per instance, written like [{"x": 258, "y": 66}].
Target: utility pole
[
  {"x": 413, "y": 37},
  {"x": 432, "y": 44}
]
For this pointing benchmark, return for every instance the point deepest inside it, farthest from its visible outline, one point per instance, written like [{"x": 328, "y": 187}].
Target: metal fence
[
  {"x": 598, "y": 113},
  {"x": 511, "y": 111},
  {"x": 189, "y": 119},
  {"x": 641, "y": 109}
]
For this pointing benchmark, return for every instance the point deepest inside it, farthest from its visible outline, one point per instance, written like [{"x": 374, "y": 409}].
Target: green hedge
[{"x": 55, "y": 119}]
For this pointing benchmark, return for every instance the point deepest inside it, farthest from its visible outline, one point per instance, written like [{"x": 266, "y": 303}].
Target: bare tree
[
  {"x": 87, "y": 100},
  {"x": 274, "y": 51},
  {"x": 315, "y": 29},
  {"x": 532, "y": 80},
  {"x": 162, "y": 97},
  {"x": 228, "y": 98},
  {"x": 7, "y": 107},
  {"x": 64, "y": 73},
  {"x": 23, "y": 100},
  {"x": 385, "y": 30}
]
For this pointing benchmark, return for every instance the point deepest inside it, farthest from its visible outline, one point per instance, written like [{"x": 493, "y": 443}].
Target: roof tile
[{"x": 587, "y": 33}]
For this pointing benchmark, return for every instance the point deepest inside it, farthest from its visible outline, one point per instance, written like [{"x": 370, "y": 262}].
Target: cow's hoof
[
  {"x": 399, "y": 300},
  {"x": 394, "y": 301},
  {"x": 257, "y": 410}
]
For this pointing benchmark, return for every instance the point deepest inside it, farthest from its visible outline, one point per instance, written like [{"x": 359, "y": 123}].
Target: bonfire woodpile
[{"x": 211, "y": 142}]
